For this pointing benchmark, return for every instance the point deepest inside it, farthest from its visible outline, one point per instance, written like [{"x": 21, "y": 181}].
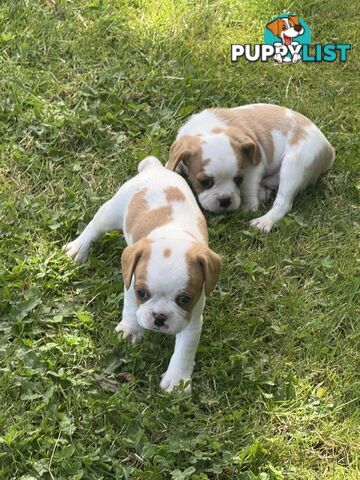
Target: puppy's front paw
[
  {"x": 264, "y": 224},
  {"x": 132, "y": 333},
  {"x": 171, "y": 380},
  {"x": 77, "y": 250},
  {"x": 264, "y": 194},
  {"x": 250, "y": 207}
]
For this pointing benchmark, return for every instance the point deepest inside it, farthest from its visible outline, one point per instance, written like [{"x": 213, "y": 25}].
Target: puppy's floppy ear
[
  {"x": 210, "y": 263},
  {"x": 275, "y": 26},
  {"x": 244, "y": 144},
  {"x": 181, "y": 152},
  {"x": 251, "y": 150},
  {"x": 295, "y": 19},
  {"x": 130, "y": 258}
]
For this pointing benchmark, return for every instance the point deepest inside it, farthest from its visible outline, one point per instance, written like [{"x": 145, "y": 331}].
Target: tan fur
[
  {"x": 195, "y": 282},
  {"x": 141, "y": 220},
  {"x": 298, "y": 132},
  {"x": 182, "y": 149},
  {"x": 204, "y": 267},
  {"x": 167, "y": 252},
  {"x": 200, "y": 255},
  {"x": 174, "y": 194},
  {"x": 135, "y": 257},
  {"x": 257, "y": 123},
  {"x": 187, "y": 151}
]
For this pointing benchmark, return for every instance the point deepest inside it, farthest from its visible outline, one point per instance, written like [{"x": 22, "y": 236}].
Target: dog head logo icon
[
  {"x": 289, "y": 31},
  {"x": 286, "y": 28}
]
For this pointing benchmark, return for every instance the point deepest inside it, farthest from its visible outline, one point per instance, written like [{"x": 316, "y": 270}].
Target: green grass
[{"x": 88, "y": 88}]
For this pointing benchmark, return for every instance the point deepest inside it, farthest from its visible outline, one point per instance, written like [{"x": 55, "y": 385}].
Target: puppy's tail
[{"x": 149, "y": 161}]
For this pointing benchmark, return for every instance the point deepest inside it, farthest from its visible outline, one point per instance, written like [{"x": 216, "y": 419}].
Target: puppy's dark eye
[
  {"x": 143, "y": 294},
  {"x": 207, "y": 182},
  {"x": 237, "y": 180},
  {"x": 284, "y": 27},
  {"x": 183, "y": 299}
]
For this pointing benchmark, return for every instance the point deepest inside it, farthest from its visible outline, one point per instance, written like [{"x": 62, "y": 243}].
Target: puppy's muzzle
[
  {"x": 159, "y": 319},
  {"x": 298, "y": 28},
  {"x": 225, "y": 202}
]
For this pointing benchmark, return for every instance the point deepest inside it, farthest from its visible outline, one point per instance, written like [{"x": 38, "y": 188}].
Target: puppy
[
  {"x": 287, "y": 29},
  {"x": 167, "y": 266},
  {"x": 238, "y": 155}
]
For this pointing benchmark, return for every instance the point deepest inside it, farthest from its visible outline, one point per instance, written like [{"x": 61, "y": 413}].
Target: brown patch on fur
[
  {"x": 167, "y": 252},
  {"x": 182, "y": 149},
  {"x": 134, "y": 260},
  {"x": 218, "y": 130},
  {"x": 196, "y": 174},
  {"x": 186, "y": 158},
  {"x": 195, "y": 283},
  {"x": 174, "y": 194},
  {"x": 204, "y": 267},
  {"x": 141, "y": 220},
  {"x": 140, "y": 273},
  {"x": 298, "y": 132},
  {"x": 258, "y": 122}
]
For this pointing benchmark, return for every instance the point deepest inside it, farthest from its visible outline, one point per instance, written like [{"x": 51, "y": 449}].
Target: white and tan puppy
[
  {"x": 167, "y": 266},
  {"x": 238, "y": 155}
]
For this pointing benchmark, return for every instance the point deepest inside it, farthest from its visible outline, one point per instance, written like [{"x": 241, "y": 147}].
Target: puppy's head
[
  {"x": 214, "y": 165},
  {"x": 286, "y": 28},
  {"x": 169, "y": 279}
]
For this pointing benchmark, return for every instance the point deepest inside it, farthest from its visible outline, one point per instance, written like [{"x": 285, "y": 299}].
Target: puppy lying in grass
[
  {"x": 167, "y": 267},
  {"x": 235, "y": 156}
]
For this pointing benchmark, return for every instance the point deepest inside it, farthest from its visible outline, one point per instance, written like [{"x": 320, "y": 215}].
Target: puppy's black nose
[
  {"x": 225, "y": 202},
  {"x": 160, "y": 319},
  {"x": 298, "y": 28}
]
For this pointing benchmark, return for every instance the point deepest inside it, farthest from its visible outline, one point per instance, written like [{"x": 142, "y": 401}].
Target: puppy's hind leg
[
  {"x": 292, "y": 175},
  {"x": 109, "y": 217}
]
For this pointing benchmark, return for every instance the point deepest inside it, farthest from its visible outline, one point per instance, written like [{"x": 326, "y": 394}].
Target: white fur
[
  {"x": 201, "y": 123},
  {"x": 166, "y": 277},
  {"x": 293, "y": 167},
  {"x": 223, "y": 164}
]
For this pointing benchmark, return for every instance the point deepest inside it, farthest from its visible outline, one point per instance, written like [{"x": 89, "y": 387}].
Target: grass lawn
[{"x": 88, "y": 88}]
